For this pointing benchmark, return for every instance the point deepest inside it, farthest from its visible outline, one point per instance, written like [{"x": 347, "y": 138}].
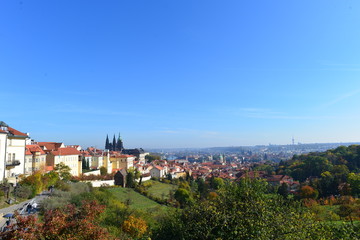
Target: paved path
[{"x": 21, "y": 207}]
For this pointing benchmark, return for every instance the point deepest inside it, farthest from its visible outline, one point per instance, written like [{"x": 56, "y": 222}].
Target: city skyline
[{"x": 181, "y": 74}]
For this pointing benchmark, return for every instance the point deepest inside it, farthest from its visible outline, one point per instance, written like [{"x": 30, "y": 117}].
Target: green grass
[
  {"x": 136, "y": 200},
  {"x": 161, "y": 190}
]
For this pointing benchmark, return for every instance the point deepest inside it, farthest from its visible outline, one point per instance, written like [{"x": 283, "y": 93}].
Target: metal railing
[{"x": 13, "y": 163}]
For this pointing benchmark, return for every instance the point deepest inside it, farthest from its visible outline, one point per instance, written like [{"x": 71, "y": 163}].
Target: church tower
[{"x": 119, "y": 144}]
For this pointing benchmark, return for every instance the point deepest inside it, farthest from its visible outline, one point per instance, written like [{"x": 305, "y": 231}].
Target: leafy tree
[
  {"x": 203, "y": 187},
  {"x": 152, "y": 157},
  {"x": 283, "y": 190},
  {"x": 35, "y": 181},
  {"x": 308, "y": 192},
  {"x": 69, "y": 223},
  {"x": 131, "y": 177},
  {"x": 183, "y": 196},
  {"x": 135, "y": 227},
  {"x": 349, "y": 210},
  {"x": 63, "y": 171},
  {"x": 242, "y": 211},
  {"x": 103, "y": 171},
  {"x": 216, "y": 183},
  {"x": 354, "y": 181}
]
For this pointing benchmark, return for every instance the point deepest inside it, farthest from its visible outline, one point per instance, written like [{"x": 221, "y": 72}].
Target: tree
[
  {"x": 203, "y": 187},
  {"x": 283, "y": 190},
  {"x": 135, "y": 227},
  {"x": 348, "y": 210},
  {"x": 103, "y": 171},
  {"x": 130, "y": 179},
  {"x": 183, "y": 196},
  {"x": 63, "y": 171},
  {"x": 308, "y": 192},
  {"x": 152, "y": 157},
  {"x": 241, "y": 211},
  {"x": 69, "y": 223},
  {"x": 85, "y": 163},
  {"x": 216, "y": 183},
  {"x": 354, "y": 181},
  {"x": 35, "y": 181}
]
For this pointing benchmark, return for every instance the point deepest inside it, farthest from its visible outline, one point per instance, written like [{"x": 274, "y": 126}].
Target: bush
[
  {"x": 103, "y": 171},
  {"x": 24, "y": 191}
]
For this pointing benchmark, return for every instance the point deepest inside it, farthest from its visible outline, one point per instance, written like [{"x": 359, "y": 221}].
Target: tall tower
[
  {"x": 119, "y": 144},
  {"x": 293, "y": 141}
]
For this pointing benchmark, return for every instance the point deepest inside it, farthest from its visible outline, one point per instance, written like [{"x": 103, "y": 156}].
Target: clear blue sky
[{"x": 181, "y": 73}]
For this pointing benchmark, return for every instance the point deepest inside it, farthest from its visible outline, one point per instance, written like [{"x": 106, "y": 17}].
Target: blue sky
[{"x": 181, "y": 73}]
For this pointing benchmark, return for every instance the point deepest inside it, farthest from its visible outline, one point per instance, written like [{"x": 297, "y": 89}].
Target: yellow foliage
[{"x": 135, "y": 227}]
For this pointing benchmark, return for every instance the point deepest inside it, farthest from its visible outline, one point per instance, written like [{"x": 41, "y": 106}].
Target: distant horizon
[{"x": 181, "y": 73}]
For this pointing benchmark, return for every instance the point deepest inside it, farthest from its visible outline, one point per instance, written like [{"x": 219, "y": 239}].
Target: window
[
  {"x": 13, "y": 156},
  {"x": 9, "y": 157}
]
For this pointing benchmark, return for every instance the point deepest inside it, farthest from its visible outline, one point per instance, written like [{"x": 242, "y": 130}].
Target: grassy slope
[
  {"x": 161, "y": 190},
  {"x": 137, "y": 201}
]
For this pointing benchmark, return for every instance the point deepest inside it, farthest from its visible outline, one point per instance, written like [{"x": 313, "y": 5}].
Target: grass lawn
[
  {"x": 136, "y": 200},
  {"x": 161, "y": 190}
]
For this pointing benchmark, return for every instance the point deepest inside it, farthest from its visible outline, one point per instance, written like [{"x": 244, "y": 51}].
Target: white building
[
  {"x": 12, "y": 152},
  {"x": 69, "y": 156},
  {"x": 158, "y": 172}
]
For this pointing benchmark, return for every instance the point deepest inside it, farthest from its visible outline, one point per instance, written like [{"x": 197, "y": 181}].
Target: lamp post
[{"x": 16, "y": 178}]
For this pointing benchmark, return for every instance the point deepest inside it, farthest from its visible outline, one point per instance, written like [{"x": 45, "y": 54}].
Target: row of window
[{"x": 36, "y": 160}]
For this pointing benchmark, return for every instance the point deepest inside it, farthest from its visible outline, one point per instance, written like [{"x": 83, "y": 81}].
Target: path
[{"x": 21, "y": 207}]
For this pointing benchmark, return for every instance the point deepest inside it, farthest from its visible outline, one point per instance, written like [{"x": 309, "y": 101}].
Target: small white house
[{"x": 158, "y": 172}]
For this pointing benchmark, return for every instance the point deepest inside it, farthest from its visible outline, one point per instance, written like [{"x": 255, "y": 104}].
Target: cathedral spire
[{"x": 107, "y": 143}]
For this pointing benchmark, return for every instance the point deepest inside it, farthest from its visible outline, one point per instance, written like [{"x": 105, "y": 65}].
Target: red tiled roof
[
  {"x": 49, "y": 168},
  {"x": 66, "y": 151},
  {"x": 159, "y": 168},
  {"x": 16, "y": 132},
  {"x": 34, "y": 148},
  {"x": 50, "y": 145},
  {"x": 27, "y": 152},
  {"x": 127, "y": 156}
]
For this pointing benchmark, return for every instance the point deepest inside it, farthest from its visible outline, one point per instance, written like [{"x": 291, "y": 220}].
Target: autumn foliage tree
[
  {"x": 308, "y": 192},
  {"x": 72, "y": 223},
  {"x": 135, "y": 227}
]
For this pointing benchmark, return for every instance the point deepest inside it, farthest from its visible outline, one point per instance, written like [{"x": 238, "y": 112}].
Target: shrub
[
  {"x": 135, "y": 227},
  {"x": 103, "y": 171},
  {"x": 24, "y": 191}
]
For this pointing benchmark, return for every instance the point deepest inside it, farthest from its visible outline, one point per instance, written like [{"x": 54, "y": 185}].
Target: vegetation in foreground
[{"x": 232, "y": 210}]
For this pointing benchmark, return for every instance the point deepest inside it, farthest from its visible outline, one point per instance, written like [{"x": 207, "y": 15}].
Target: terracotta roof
[
  {"x": 34, "y": 148},
  {"x": 49, "y": 168},
  {"x": 127, "y": 156},
  {"x": 14, "y": 132},
  {"x": 159, "y": 168},
  {"x": 66, "y": 151},
  {"x": 50, "y": 145},
  {"x": 27, "y": 152}
]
